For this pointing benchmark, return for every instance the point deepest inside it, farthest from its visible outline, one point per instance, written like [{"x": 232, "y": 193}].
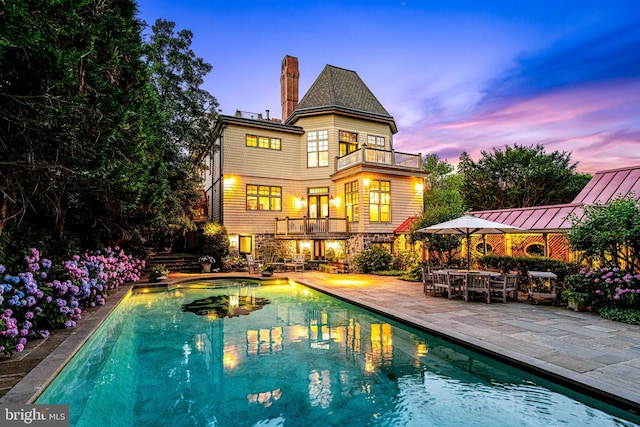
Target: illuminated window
[
  {"x": 379, "y": 201},
  {"x": 351, "y": 201},
  {"x": 264, "y": 198},
  {"x": 263, "y": 142},
  {"x": 245, "y": 244},
  {"x": 317, "y": 148},
  {"x": 375, "y": 141},
  {"x": 348, "y": 142}
]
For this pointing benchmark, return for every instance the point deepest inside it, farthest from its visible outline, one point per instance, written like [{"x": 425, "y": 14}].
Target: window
[
  {"x": 480, "y": 248},
  {"x": 264, "y": 198},
  {"x": 535, "y": 249},
  {"x": 348, "y": 142},
  {"x": 317, "y": 148},
  {"x": 375, "y": 141},
  {"x": 351, "y": 201},
  {"x": 379, "y": 201},
  {"x": 245, "y": 244},
  {"x": 263, "y": 142}
]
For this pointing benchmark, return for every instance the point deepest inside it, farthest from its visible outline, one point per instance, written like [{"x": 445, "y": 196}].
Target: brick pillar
[{"x": 289, "y": 85}]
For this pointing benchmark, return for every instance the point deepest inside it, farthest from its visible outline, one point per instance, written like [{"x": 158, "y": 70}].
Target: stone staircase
[{"x": 174, "y": 262}]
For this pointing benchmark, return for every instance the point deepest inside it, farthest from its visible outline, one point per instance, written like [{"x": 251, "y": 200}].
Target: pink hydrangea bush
[
  {"x": 608, "y": 286},
  {"x": 47, "y": 296}
]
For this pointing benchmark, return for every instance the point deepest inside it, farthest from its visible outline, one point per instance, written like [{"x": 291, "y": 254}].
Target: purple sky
[{"x": 456, "y": 75}]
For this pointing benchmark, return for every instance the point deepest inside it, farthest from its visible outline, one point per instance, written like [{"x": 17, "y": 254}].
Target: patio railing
[{"x": 311, "y": 226}]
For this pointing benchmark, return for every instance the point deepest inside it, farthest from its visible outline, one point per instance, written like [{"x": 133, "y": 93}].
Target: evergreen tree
[
  {"x": 79, "y": 123},
  {"x": 189, "y": 114}
]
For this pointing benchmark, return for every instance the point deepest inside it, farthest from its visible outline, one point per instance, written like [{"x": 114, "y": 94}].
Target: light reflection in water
[{"x": 297, "y": 360}]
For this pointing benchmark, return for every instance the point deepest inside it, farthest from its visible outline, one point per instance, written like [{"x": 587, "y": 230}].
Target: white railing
[
  {"x": 309, "y": 226},
  {"x": 367, "y": 155}
]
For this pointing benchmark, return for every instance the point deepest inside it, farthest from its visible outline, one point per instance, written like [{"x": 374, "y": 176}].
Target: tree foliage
[
  {"x": 189, "y": 114},
  {"x": 442, "y": 202},
  {"x": 78, "y": 120},
  {"x": 609, "y": 233},
  {"x": 518, "y": 177}
]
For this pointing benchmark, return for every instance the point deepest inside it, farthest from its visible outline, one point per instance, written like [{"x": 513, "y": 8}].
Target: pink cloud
[{"x": 598, "y": 124}]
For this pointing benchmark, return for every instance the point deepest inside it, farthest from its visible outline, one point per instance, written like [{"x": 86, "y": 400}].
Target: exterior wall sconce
[
  {"x": 303, "y": 202},
  {"x": 334, "y": 201},
  {"x": 419, "y": 188},
  {"x": 366, "y": 182},
  {"x": 229, "y": 183}
]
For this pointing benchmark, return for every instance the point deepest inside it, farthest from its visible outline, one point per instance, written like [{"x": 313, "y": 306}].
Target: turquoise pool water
[{"x": 284, "y": 355}]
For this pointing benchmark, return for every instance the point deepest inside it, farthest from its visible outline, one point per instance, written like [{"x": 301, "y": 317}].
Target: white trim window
[{"x": 317, "y": 148}]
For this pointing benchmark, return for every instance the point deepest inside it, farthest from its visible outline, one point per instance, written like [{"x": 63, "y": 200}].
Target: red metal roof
[
  {"x": 609, "y": 184},
  {"x": 405, "y": 226},
  {"x": 536, "y": 219},
  {"x": 604, "y": 186}
]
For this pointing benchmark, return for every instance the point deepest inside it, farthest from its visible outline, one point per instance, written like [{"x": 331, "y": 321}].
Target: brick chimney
[{"x": 289, "y": 85}]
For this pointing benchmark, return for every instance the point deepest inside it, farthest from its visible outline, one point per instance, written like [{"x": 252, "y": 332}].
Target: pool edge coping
[{"x": 29, "y": 388}]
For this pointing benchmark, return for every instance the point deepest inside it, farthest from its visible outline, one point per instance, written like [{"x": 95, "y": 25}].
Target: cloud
[
  {"x": 595, "y": 122},
  {"x": 573, "y": 61}
]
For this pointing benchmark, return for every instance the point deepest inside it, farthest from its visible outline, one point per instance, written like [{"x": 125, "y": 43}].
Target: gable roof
[
  {"x": 406, "y": 225},
  {"x": 604, "y": 186},
  {"x": 341, "y": 91}
]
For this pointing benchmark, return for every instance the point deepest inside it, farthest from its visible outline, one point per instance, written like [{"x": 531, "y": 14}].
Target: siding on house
[{"x": 235, "y": 165}]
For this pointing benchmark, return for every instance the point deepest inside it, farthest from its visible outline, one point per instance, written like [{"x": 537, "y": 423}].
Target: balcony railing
[
  {"x": 368, "y": 155},
  {"x": 311, "y": 226}
]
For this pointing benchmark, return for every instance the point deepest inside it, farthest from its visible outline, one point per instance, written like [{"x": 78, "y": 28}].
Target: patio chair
[
  {"x": 296, "y": 264},
  {"x": 479, "y": 283},
  {"x": 427, "y": 280},
  {"x": 253, "y": 265},
  {"x": 503, "y": 285},
  {"x": 443, "y": 282}
]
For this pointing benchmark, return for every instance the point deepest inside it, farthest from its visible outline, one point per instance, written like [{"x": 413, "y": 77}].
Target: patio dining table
[{"x": 460, "y": 279}]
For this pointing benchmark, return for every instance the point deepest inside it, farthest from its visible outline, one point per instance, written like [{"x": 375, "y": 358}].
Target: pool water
[{"x": 284, "y": 355}]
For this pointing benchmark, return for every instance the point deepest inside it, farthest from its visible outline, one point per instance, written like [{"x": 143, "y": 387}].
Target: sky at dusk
[{"x": 455, "y": 75}]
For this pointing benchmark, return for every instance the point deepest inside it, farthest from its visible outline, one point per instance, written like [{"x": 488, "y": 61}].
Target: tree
[
  {"x": 609, "y": 232},
  {"x": 189, "y": 114},
  {"x": 518, "y": 177},
  {"x": 442, "y": 202},
  {"x": 78, "y": 121}
]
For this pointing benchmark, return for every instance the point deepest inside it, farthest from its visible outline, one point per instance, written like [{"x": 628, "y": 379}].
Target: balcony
[
  {"x": 375, "y": 156},
  {"x": 310, "y": 228}
]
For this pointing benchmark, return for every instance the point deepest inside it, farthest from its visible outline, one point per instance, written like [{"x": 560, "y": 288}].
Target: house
[
  {"x": 546, "y": 225},
  {"x": 324, "y": 181}
]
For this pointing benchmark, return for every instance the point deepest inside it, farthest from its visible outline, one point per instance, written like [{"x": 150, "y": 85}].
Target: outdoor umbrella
[{"x": 468, "y": 225}]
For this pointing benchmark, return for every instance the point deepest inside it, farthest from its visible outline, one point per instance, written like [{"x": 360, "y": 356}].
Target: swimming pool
[{"x": 231, "y": 353}]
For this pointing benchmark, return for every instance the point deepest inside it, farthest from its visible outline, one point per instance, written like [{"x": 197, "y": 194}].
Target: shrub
[
  {"x": 47, "y": 296},
  {"x": 624, "y": 315},
  {"x": 374, "y": 258},
  {"x": 525, "y": 264},
  {"x": 404, "y": 261},
  {"x": 216, "y": 240}
]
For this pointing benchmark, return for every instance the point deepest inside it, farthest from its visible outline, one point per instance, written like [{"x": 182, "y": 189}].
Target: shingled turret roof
[{"x": 341, "y": 91}]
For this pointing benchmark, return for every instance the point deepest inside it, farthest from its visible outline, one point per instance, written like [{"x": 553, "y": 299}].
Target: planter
[
  {"x": 267, "y": 273},
  {"x": 575, "y": 304},
  {"x": 157, "y": 278},
  {"x": 206, "y": 267}
]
